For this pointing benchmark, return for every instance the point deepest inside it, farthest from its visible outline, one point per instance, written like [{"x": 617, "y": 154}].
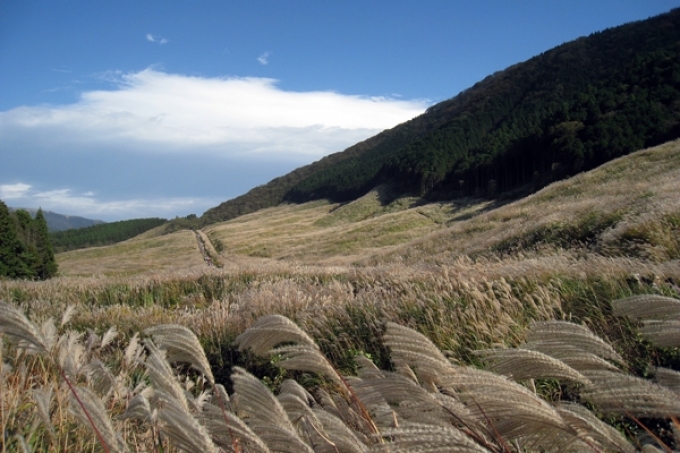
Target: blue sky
[{"x": 125, "y": 109}]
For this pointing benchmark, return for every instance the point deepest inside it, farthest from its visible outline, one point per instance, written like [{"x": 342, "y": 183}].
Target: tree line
[
  {"x": 25, "y": 247},
  {"x": 102, "y": 234}
]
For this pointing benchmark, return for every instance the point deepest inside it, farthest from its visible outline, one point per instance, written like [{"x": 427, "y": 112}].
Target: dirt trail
[
  {"x": 224, "y": 260},
  {"x": 210, "y": 255}
]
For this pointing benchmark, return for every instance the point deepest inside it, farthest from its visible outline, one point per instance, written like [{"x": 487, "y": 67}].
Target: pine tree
[{"x": 47, "y": 264}]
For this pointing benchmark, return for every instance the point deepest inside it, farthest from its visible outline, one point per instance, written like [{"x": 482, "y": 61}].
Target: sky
[{"x": 114, "y": 110}]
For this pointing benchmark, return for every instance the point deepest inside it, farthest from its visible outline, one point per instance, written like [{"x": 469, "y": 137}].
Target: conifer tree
[
  {"x": 47, "y": 264},
  {"x": 24, "y": 223}
]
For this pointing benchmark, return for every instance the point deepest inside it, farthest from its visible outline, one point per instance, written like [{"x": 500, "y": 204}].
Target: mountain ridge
[{"x": 62, "y": 222}]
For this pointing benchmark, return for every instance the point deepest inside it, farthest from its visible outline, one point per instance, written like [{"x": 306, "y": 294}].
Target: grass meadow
[{"x": 546, "y": 324}]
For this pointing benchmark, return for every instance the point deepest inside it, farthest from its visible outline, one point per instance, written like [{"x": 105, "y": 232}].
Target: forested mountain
[
  {"x": 61, "y": 222},
  {"x": 566, "y": 110},
  {"x": 102, "y": 234}
]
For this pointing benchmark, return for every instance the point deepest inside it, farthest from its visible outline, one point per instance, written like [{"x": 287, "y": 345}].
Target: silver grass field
[{"x": 161, "y": 394}]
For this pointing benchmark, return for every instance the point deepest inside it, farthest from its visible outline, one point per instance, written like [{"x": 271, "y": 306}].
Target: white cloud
[
  {"x": 238, "y": 117},
  {"x": 156, "y": 39},
  {"x": 66, "y": 201},
  {"x": 264, "y": 58},
  {"x": 14, "y": 191}
]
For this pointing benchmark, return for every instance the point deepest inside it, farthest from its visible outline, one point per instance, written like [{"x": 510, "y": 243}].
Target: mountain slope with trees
[{"x": 567, "y": 110}]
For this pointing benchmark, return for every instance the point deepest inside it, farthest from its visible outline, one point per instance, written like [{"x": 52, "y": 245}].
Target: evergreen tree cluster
[
  {"x": 25, "y": 247},
  {"x": 102, "y": 234}
]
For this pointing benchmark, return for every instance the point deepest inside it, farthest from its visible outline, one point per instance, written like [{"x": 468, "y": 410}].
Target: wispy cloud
[
  {"x": 264, "y": 58},
  {"x": 14, "y": 191},
  {"x": 156, "y": 39},
  {"x": 57, "y": 89}
]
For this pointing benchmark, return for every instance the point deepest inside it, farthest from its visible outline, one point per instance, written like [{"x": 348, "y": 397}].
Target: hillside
[
  {"x": 627, "y": 207},
  {"x": 332, "y": 233},
  {"x": 567, "y": 110},
  {"x": 142, "y": 256}
]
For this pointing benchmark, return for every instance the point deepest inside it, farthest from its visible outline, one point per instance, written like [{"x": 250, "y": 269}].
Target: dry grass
[
  {"x": 135, "y": 256},
  {"x": 62, "y": 391},
  {"x": 627, "y": 206},
  {"x": 339, "y": 233}
]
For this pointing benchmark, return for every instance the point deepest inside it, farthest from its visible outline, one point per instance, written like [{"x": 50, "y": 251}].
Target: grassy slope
[
  {"x": 140, "y": 255},
  {"x": 319, "y": 232},
  {"x": 629, "y": 205}
]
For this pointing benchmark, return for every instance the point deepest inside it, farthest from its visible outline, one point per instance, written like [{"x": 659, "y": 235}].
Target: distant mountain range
[
  {"x": 564, "y": 111},
  {"x": 61, "y": 222}
]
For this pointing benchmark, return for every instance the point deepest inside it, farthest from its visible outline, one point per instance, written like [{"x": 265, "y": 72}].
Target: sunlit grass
[
  {"x": 347, "y": 231},
  {"x": 622, "y": 195},
  {"x": 135, "y": 256}
]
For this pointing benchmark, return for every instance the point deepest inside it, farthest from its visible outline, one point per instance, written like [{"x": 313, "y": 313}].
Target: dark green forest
[
  {"x": 564, "y": 111},
  {"x": 25, "y": 247},
  {"x": 102, "y": 234}
]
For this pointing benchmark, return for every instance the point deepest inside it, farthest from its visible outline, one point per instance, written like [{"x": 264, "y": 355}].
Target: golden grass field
[
  {"x": 466, "y": 275},
  {"x": 136, "y": 256}
]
